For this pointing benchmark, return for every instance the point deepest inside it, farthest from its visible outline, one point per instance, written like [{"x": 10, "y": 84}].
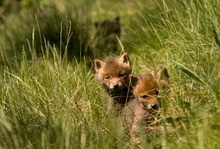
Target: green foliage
[{"x": 48, "y": 102}]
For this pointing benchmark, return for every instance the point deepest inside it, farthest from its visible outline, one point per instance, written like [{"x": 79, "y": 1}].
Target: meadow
[{"x": 51, "y": 99}]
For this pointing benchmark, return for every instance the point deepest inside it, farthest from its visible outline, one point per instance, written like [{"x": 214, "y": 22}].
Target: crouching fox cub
[
  {"x": 114, "y": 74},
  {"x": 142, "y": 110}
]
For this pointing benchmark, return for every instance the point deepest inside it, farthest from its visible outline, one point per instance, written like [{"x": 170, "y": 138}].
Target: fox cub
[
  {"x": 144, "y": 108},
  {"x": 108, "y": 27},
  {"x": 105, "y": 37},
  {"x": 114, "y": 74}
]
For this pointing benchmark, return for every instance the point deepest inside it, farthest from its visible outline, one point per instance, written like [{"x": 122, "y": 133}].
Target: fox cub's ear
[
  {"x": 117, "y": 18},
  {"x": 96, "y": 24},
  {"x": 125, "y": 60},
  {"x": 162, "y": 73},
  {"x": 98, "y": 64},
  {"x": 134, "y": 80},
  {"x": 163, "y": 76}
]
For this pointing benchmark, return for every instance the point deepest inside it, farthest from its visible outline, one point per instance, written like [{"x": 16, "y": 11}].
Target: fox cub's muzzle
[
  {"x": 115, "y": 84},
  {"x": 152, "y": 103}
]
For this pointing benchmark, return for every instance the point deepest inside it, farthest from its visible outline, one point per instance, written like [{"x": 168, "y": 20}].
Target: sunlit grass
[{"x": 50, "y": 102}]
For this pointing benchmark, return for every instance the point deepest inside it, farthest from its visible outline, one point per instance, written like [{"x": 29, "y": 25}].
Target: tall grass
[
  {"x": 30, "y": 28},
  {"x": 48, "y": 102},
  {"x": 183, "y": 39},
  {"x": 50, "y": 106}
]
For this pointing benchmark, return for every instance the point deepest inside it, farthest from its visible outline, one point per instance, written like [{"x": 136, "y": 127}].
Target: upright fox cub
[
  {"x": 114, "y": 74},
  {"x": 142, "y": 110},
  {"x": 108, "y": 27},
  {"x": 105, "y": 37}
]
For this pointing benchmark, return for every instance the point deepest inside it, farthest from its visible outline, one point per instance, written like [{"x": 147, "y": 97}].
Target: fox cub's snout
[{"x": 113, "y": 73}]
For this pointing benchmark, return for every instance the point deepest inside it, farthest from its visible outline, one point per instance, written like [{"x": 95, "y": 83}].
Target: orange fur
[{"x": 142, "y": 109}]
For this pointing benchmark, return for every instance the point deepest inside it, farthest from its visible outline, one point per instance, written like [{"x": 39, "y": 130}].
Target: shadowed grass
[{"x": 43, "y": 24}]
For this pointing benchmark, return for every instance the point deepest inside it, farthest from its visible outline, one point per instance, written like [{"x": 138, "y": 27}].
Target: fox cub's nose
[
  {"x": 154, "y": 106},
  {"x": 115, "y": 85}
]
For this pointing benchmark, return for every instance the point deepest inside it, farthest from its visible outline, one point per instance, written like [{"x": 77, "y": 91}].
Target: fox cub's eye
[
  {"x": 144, "y": 96},
  {"x": 122, "y": 74},
  {"x": 107, "y": 77}
]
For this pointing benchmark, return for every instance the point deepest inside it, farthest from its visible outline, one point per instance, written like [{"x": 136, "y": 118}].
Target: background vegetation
[{"x": 50, "y": 98}]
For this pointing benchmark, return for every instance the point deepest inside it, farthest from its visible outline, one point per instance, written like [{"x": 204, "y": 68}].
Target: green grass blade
[{"x": 187, "y": 71}]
